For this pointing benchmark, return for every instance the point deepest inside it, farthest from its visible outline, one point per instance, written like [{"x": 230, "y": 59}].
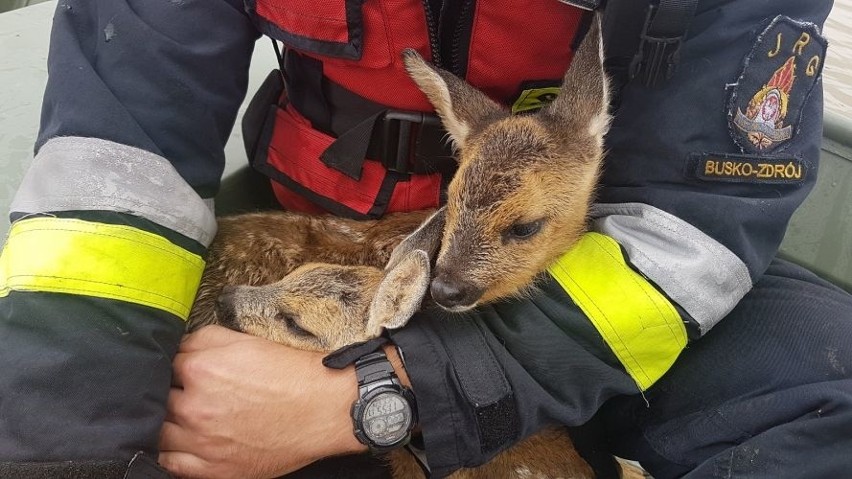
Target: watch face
[{"x": 386, "y": 419}]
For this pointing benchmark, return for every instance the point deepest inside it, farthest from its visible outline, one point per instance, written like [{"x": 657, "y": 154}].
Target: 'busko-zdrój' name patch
[
  {"x": 747, "y": 169},
  {"x": 779, "y": 75}
]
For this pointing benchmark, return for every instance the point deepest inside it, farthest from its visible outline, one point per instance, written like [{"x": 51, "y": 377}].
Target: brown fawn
[
  {"x": 521, "y": 195},
  {"x": 519, "y": 200}
]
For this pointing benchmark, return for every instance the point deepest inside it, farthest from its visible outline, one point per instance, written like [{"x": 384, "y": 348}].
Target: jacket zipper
[
  {"x": 452, "y": 53},
  {"x": 460, "y": 44},
  {"x": 432, "y": 28}
]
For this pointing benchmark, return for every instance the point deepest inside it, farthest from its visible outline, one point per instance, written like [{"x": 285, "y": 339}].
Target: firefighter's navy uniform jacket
[{"x": 742, "y": 361}]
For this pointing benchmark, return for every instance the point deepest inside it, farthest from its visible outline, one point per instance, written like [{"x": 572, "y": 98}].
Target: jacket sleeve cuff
[
  {"x": 488, "y": 378},
  {"x": 442, "y": 414}
]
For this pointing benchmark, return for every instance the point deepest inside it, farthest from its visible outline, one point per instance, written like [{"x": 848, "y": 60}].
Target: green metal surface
[
  {"x": 819, "y": 236},
  {"x": 6, "y": 5}
]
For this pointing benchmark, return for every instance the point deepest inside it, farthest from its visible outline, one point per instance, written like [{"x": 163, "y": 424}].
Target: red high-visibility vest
[{"x": 349, "y": 135}]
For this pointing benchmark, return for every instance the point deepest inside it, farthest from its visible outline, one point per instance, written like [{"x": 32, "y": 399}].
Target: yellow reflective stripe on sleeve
[
  {"x": 72, "y": 256},
  {"x": 638, "y": 323}
]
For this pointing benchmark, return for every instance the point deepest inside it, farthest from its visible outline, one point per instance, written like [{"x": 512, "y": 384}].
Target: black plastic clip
[
  {"x": 397, "y": 138},
  {"x": 657, "y": 57}
]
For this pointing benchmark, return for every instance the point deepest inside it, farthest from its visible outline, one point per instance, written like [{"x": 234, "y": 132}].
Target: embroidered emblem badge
[{"x": 779, "y": 76}]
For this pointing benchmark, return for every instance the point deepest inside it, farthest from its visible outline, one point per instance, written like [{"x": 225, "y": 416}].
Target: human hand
[{"x": 241, "y": 406}]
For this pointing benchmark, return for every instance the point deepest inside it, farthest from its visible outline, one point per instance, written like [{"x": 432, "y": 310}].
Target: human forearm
[
  {"x": 95, "y": 367},
  {"x": 167, "y": 79},
  {"x": 93, "y": 314}
]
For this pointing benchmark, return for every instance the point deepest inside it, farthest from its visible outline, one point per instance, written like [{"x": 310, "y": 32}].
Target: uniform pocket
[
  {"x": 292, "y": 158},
  {"x": 332, "y": 29}
]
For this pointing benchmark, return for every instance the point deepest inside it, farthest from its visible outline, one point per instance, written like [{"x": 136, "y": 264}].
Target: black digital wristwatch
[{"x": 385, "y": 412}]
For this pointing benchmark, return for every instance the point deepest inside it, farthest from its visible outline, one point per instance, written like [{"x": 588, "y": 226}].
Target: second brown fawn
[{"x": 520, "y": 199}]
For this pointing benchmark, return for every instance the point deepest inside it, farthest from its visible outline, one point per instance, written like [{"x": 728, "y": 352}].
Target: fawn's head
[
  {"x": 524, "y": 184},
  {"x": 323, "y": 307}
]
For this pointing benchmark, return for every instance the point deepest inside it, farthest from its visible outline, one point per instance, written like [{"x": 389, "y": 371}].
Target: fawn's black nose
[
  {"x": 454, "y": 295},
  {"x": 225, "y": 309}
]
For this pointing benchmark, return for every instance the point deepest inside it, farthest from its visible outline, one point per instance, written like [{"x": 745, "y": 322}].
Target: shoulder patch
[{"x": 777, "y": 79}]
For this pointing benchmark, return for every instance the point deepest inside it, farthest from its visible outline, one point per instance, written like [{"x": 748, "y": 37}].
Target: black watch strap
[{"x": 374, "y": 369}]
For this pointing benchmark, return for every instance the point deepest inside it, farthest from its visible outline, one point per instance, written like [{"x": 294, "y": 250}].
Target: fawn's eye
[
  {"x": 289, "y": 320},
  {"x": 523, "y": 231}
]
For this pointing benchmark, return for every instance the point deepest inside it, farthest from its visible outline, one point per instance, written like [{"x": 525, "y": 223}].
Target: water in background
[{"x": 838, "y": 63}]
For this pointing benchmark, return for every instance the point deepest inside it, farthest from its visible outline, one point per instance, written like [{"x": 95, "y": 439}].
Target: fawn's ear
[
  {"x": 400, "y": 293},
  {"x": 583, "y": 100},
  {"x": 427, "y": 238},
  {"x": 459, "y": 105}
]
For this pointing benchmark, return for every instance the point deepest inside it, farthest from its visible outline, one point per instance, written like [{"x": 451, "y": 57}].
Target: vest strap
[{"x": 406, "y": 142}]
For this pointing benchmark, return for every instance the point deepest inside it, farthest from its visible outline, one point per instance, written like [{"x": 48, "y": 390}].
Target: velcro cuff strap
[
  {"x": 72, "y": 256},
  {"x": 639, "y": 324}
]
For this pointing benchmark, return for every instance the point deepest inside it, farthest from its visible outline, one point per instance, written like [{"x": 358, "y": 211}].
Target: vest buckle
[{"x": 399, "y": 139}]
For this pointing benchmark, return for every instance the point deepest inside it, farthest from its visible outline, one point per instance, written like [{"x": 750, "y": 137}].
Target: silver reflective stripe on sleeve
[
  {"x": 697, "y": 272},
  {"x": 74, "y": 173}
]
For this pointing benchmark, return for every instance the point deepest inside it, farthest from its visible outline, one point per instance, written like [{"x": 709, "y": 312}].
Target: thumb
[{"x": 184, "y": 464}]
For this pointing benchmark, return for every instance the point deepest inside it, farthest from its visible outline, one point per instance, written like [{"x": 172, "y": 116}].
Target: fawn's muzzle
[
  {"x": 226, "y": 310},
  {"x": 454, "y": 295}
]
